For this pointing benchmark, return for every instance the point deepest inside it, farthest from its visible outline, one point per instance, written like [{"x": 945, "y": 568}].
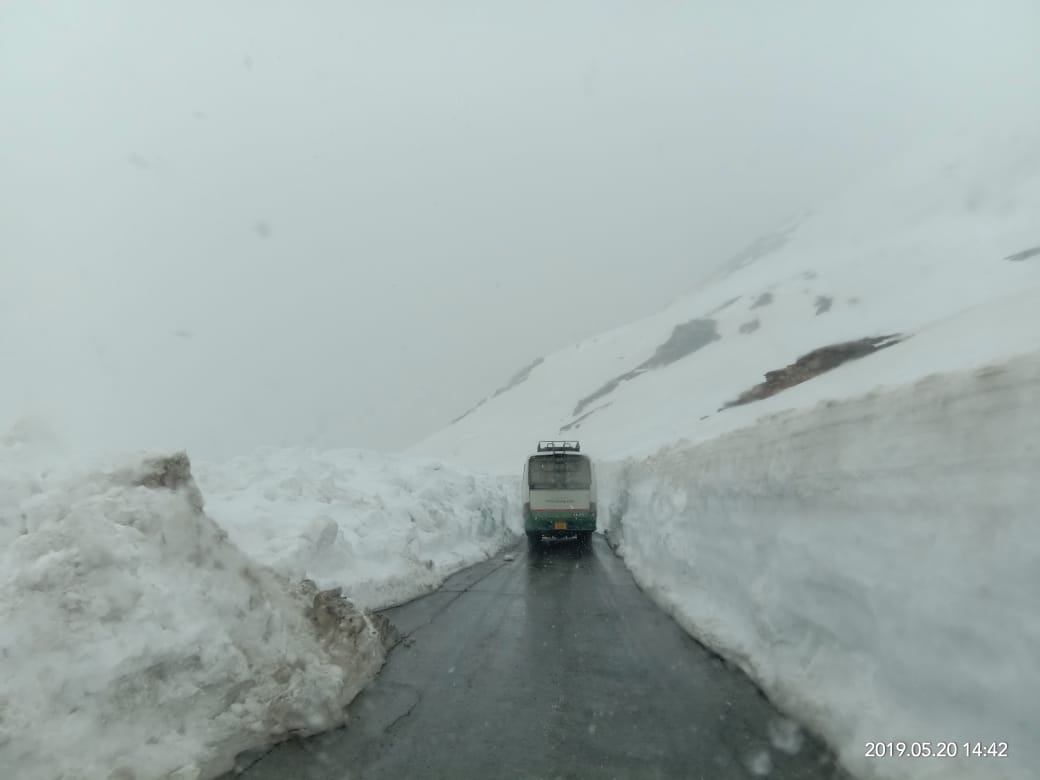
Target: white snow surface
[
  {"x": 864, "y": 544},
  {"x": 873, "y": 563},
  {"x": 384, "y": 527},
  {"x": 138, "y": 640},
  {"x": 919, "y": 249}
]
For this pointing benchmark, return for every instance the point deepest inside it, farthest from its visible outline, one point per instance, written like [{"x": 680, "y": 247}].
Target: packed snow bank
[
  {"x": 873, "y": 563},
  {"x": 385, "y": 528},
  {"x": 138, "y": 642}
]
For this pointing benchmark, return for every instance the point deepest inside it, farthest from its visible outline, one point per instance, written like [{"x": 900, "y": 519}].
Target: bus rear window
[{"x": 559, "y": 472}]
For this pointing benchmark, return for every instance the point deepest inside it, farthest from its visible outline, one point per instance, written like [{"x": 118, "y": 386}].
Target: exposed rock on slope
[
  {"x": 686, "y": 338},
  {"x": 813, "y": 364}
]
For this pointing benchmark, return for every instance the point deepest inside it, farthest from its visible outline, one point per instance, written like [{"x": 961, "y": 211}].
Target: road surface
[{"x": 551, "y": 665}]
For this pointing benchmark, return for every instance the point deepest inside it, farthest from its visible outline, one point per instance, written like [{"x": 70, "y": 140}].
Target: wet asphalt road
[{"x": 551, "y": 665}]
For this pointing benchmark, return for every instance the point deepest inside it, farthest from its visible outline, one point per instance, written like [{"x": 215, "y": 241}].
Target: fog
[{"x": 341, "y": 223}]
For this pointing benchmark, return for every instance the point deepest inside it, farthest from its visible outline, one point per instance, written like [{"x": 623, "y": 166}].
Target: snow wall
[
  {"x": 139, "y": 640},
  {"x": 874, "y": 564}
]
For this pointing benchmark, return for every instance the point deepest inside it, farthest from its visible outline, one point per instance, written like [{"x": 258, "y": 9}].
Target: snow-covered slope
[
  {"x": 862, "y": 538},
  {"x": 922, "y": 243}
]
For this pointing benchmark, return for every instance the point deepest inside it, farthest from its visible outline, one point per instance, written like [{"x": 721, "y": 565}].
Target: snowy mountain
[
  {"x": 823, "y": 460},
  {"x": 942, "y": 248}
]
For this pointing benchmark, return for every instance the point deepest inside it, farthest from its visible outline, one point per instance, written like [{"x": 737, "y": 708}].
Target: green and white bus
[{"x": 559, "y": 492}]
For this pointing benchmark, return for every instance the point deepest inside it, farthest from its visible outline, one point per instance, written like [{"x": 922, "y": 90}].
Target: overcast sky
[{"x": 225, "y": 224}]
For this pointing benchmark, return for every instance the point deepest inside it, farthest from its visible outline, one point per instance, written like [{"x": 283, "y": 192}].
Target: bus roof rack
[{"x": 559, "y": 446}]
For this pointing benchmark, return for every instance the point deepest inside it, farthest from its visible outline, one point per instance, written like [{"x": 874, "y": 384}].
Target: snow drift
[
  {"x": 384, "y": 527},
  {"x": 137, "y": 641},
  {"x": 872, "y": 563}
]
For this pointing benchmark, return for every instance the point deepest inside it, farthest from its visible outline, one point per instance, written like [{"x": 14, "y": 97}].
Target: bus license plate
[{"x": 560, "y": 525}]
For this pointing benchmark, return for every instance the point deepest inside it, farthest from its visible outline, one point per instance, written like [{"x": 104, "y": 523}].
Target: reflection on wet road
[{"x": 551, "y": 665}]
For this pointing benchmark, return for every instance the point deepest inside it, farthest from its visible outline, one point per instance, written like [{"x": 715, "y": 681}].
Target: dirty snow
[
  {"x": 138, "y": 641},
  {"x": 148, "y": 630}
]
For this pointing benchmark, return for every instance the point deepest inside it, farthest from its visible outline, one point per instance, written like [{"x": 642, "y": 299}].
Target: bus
[{"x": 559, "y": 493}]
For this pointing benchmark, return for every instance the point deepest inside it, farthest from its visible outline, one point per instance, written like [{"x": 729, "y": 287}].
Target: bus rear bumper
[{"x": 559, "y": 523}]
